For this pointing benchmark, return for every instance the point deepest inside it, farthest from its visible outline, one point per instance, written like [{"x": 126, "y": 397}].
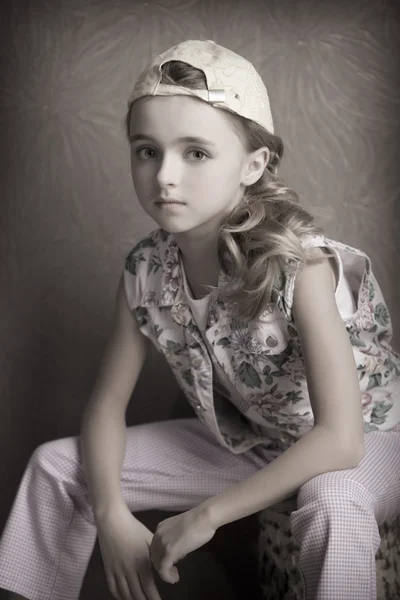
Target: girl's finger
[
  {"x": 146, "y": 578},
  {"x": 130, "y": 590},
  {"x": 168, "y": 572},
  {"x": 112, "y": 586}
]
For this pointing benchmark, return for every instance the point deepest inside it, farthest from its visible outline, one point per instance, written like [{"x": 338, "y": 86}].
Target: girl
[{"x": 279, "y": 337}]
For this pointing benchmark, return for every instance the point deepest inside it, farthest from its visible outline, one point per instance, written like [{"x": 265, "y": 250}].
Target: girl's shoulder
[
  {"x": 349, "y": 262},
  {"x": 322, "y": 241}
]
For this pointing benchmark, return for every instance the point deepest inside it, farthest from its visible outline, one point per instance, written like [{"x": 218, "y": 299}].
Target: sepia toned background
[{"x": 69, "y": 214}]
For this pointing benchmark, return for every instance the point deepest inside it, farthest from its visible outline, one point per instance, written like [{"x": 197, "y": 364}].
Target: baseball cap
[{"x": 232, "y": 81}]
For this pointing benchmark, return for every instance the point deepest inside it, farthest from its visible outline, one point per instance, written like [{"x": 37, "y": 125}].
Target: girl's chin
[
  {"x": 173, "y": 227},
  {"x": 170, "y": 228}
]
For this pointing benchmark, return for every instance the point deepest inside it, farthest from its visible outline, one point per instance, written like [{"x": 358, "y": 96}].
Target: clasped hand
[{"x": 176, "y": 537}]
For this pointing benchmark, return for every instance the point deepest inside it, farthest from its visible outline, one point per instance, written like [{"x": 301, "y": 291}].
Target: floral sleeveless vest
[{"x": 262, "y": 358}]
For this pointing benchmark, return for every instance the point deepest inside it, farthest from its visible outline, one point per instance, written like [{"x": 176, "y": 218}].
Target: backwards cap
[{"x": 232, "y": 81}]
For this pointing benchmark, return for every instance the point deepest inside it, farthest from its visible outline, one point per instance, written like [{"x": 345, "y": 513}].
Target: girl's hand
[
  {"x": 175, "y": 537},
  {"x": 124, "y": 543}
]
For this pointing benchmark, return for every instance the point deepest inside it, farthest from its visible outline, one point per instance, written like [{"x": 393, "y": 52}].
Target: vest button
[{"x": 198, "y": 406}]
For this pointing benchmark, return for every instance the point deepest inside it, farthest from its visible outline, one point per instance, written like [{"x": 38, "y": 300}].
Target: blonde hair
[{"x": 259, "y": 241}]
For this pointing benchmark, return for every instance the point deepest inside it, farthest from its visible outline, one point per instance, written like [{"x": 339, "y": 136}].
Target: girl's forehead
[{"x": 181, "y": 115}]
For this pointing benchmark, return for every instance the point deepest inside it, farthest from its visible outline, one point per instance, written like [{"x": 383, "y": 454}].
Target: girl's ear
[{"x": 255, "y": 166}]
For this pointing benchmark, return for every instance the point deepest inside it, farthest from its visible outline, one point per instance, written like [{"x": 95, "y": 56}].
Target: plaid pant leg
[
  {"x": 50, "y": 532},
  {"x": 337, "y": 518}
]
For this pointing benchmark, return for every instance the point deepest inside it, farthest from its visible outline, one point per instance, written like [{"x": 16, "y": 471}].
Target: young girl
[{"x": 279, "y": 337}]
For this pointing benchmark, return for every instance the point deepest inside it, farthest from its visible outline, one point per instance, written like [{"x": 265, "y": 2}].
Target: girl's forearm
[
  {"x": 103, "y": 443},
  {"x": 315, "y": 453}
]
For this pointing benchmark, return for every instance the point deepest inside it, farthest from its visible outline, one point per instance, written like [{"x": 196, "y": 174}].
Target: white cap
[{"x": 232, "y": 81}]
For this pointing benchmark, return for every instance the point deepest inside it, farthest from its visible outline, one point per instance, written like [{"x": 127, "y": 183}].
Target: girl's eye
[
  {"x": 139, "y": 150},
  {"x": 146, "y": 148},
  {"x": 199, "y": 152}
]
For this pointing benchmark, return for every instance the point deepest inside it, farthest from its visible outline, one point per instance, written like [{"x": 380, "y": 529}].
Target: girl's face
[{"x": 204, "y": 175}]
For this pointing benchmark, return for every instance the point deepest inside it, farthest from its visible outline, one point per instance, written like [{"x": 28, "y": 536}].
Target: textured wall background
[{"x": 69, "y": 214}]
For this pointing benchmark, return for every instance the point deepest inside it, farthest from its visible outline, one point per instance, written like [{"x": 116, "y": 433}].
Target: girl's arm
[
  {"x": 336, "y": 441},
  {"x": 103, "y": 427}
]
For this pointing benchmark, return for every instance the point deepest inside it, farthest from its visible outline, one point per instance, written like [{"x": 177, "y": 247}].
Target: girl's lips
[
  {"x": 169, "y": 204},
  {"x": 168, "y": 201}
]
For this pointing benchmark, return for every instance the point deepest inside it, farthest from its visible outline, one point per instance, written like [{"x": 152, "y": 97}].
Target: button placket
[{"x": 198, "y": 354}]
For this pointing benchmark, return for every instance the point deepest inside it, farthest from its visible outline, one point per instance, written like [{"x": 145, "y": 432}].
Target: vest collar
[{"x": 170, "y": 291}]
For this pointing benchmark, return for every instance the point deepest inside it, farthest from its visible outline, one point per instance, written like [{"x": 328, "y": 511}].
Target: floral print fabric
[{"x": 261, "y": 358}]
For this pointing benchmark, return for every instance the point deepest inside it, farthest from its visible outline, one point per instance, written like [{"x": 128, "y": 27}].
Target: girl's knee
[
  {"x": 330, "y": 501},
  {"x": 55, "y": 452},
  {"x": 330, "y": 489}
]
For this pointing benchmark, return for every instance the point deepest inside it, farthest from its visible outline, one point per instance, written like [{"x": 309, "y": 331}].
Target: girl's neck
[
  {"x": 200, "y": 258},
  {"x": 200, "y": 274}
]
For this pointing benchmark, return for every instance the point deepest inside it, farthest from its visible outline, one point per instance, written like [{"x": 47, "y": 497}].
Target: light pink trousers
[{"x": 173, "y": 465}]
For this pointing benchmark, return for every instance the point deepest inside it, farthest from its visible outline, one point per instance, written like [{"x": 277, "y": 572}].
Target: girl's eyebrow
[{"x": 186, "y": 139}]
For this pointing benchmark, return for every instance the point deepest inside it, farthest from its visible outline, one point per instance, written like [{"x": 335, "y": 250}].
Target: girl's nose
[{"x": 169, "y": 171}]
